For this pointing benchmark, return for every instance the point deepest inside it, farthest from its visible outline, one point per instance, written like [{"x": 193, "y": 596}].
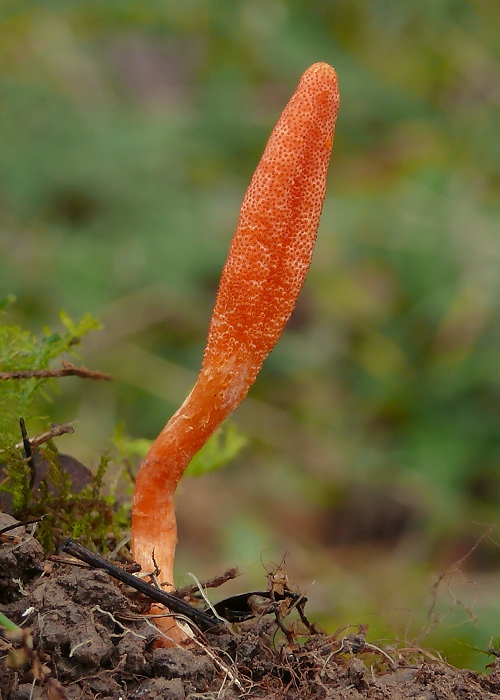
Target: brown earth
[{"x": 85, "y": 637}]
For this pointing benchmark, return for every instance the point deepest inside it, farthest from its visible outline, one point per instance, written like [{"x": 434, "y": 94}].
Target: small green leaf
[
  {"x": 222, "y": 447},
  {"x": 8, "y": 624},
  {"x": 128, "y": 447},
  {"x": 80, "y": 328}
]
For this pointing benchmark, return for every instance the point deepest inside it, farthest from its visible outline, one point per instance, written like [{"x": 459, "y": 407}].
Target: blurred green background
[{"x": 128, "y": 133}]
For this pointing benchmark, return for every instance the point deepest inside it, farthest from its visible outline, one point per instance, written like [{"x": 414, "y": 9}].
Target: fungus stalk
[{"x": 264, "y": 272}]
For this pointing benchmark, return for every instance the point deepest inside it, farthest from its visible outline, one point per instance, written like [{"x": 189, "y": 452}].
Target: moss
[{"x": 40, "y": 484}]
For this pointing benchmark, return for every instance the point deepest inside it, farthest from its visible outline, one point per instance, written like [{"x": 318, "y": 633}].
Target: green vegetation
[
  {"x": 129, "y": 132},
  {"x": 22, "y": 351},
  {"x": 85, "y": 513}
]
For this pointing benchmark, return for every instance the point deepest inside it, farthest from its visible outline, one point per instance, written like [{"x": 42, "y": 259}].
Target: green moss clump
[{"x": 87, "y": 514}]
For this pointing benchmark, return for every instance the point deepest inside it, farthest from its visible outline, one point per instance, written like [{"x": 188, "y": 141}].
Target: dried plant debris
[{"x": 79, "y": 633}]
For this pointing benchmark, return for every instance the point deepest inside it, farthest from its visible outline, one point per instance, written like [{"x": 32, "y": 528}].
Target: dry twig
[{"x": 68, "y": 370}]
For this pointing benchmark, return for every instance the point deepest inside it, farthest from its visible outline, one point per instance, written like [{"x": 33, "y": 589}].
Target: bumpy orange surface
[{"x": 267, "y": 263}]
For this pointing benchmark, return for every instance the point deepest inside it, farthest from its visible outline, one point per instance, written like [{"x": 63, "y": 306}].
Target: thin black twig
[
  {"x": 202, "y": 620},
  {"x": 22, "y": 523},
  {"x": 28, "y": 451}
]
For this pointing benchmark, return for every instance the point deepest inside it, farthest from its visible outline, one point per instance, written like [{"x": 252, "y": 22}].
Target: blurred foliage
[
  {"x": 220, "y": 450},
  {"x": 129, "y": 132}
]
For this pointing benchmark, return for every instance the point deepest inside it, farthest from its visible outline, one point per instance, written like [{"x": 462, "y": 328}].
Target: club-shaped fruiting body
[{"x": 264, "y": 272}]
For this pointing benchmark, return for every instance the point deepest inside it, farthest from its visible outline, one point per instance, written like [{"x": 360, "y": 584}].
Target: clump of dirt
[{"x": 85, "y": 636}]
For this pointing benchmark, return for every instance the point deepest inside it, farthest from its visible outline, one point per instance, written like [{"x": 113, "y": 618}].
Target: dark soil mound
[{"x": 85, "y": 637}]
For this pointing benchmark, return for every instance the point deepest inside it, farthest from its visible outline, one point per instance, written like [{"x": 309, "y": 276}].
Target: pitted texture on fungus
[
  {"x": 271, "y": 250},
  {"x": 267, "y": 263}
]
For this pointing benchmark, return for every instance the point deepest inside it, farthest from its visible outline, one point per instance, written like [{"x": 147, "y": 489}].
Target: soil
[{"x": 85, "y": 636}]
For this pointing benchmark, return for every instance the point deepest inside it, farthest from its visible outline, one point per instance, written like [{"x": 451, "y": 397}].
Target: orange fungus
[{"x": 264, "y": 272}]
